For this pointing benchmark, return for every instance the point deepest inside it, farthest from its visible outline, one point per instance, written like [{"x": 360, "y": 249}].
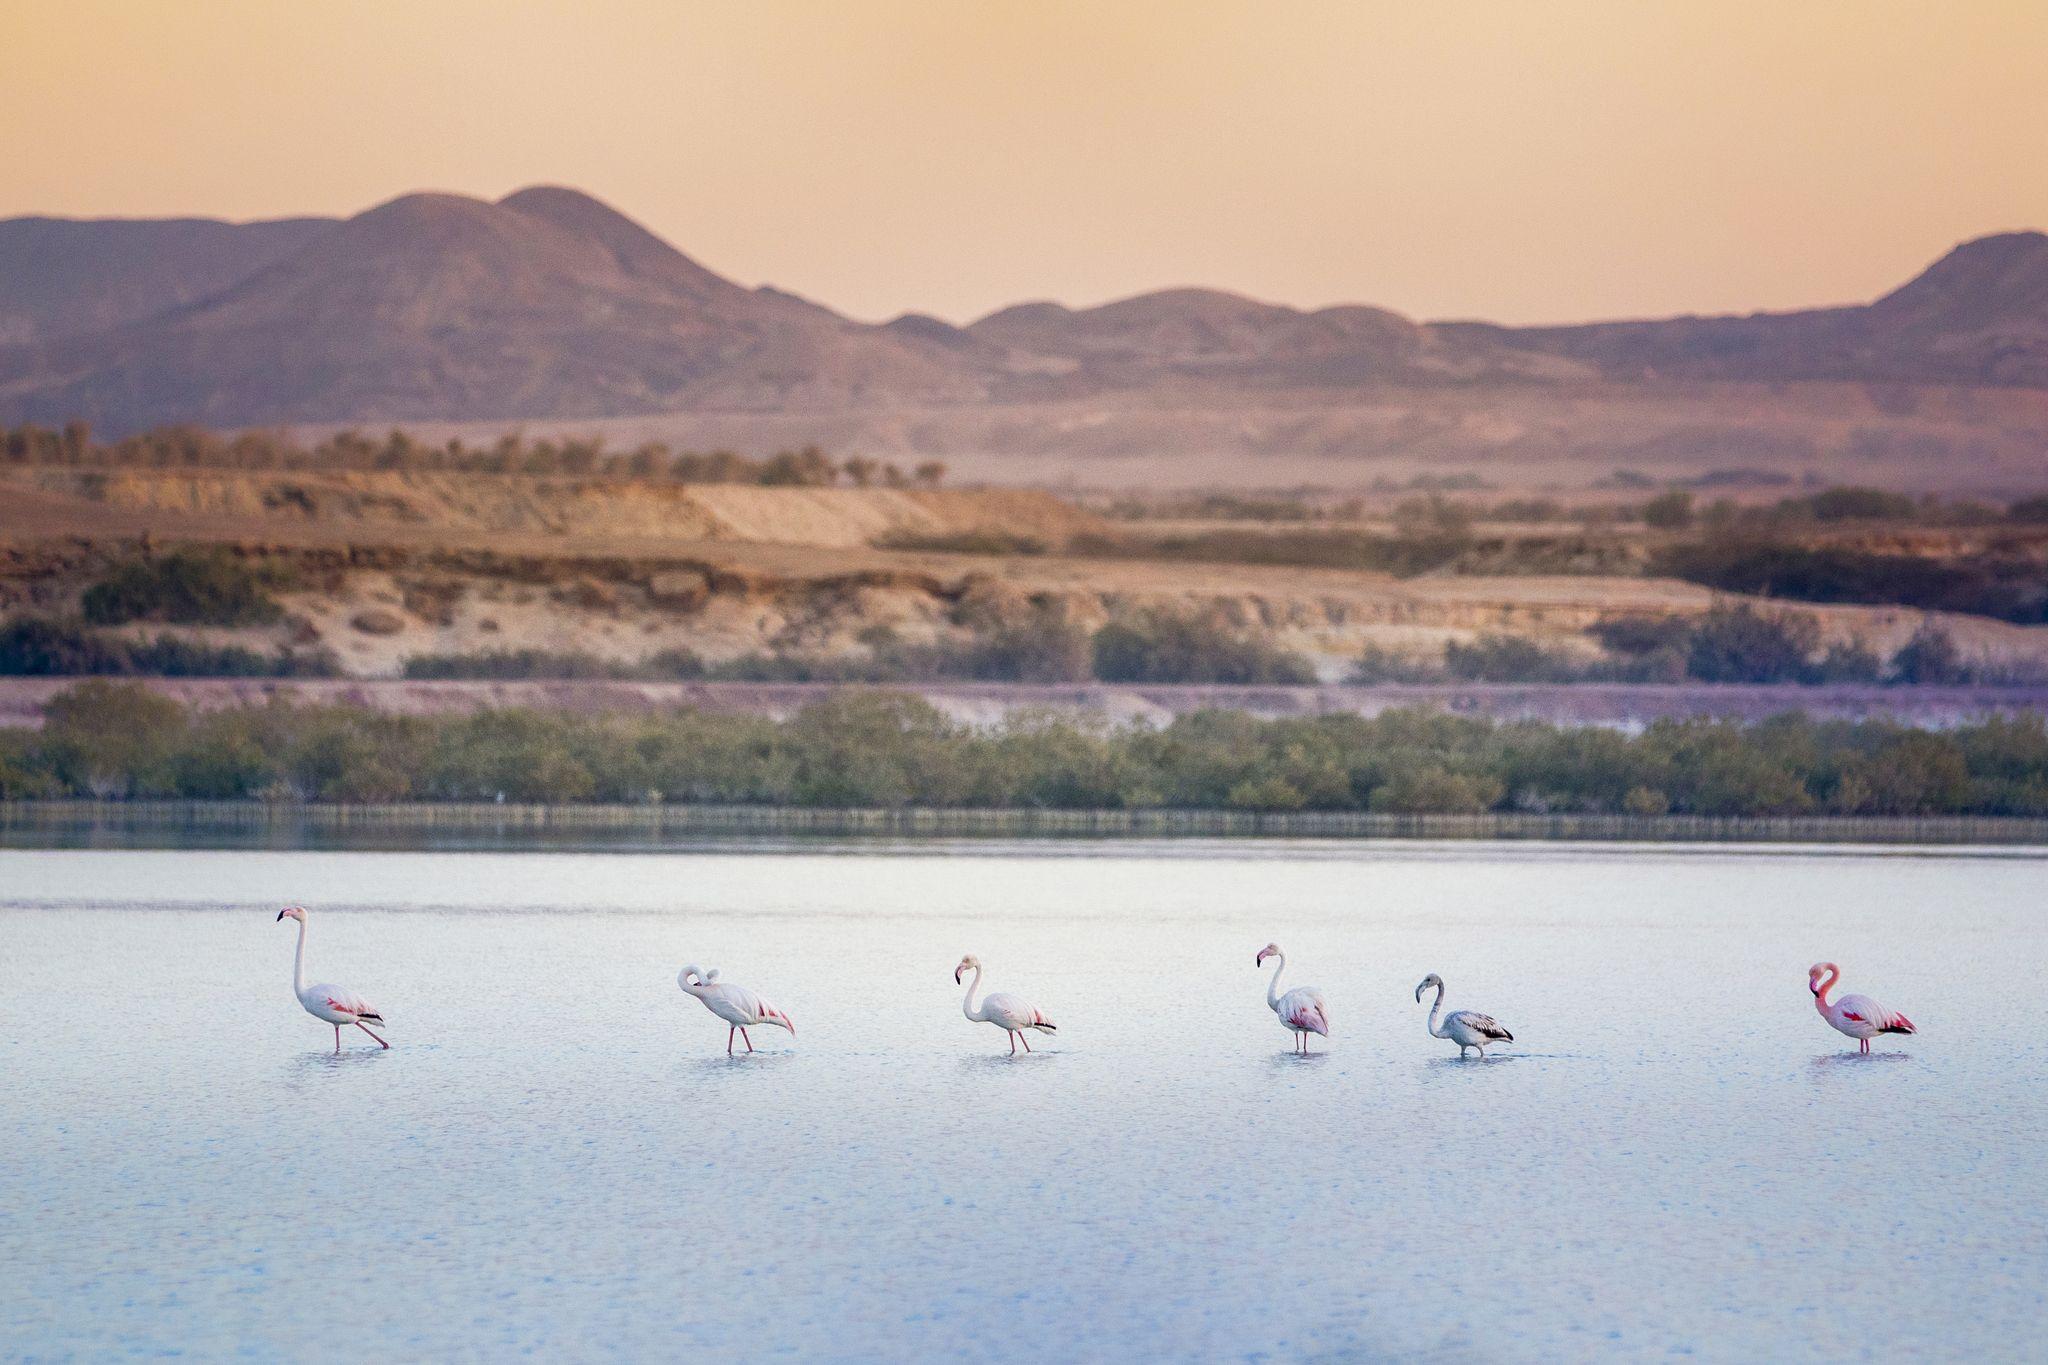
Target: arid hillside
[
  {"x": 382, "y": 569},
  {"x": 67, "y": 277},
  {"x": 543, "y": 304},
  {"x": 551, "y": 309},
  {"x": 343, "y": 503},
  {"x": 1977, "y": 316}
]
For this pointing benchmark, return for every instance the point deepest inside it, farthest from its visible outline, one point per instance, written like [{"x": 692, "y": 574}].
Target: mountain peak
[
  {"x": 427, "y": 206},
  {"x": 430, "y": 305},
  {"x": 2003, "y": 274},
  {"x": 2026, "y": 242},
  {"x": 425, "y": 219},
  {"x": 536, "y": 197},
  {"x": 637, "y": 250},
  {"x": 572, "y": 209}
]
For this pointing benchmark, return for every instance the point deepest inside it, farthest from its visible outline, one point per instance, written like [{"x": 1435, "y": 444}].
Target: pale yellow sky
[{"x": 1525, "y": 160}]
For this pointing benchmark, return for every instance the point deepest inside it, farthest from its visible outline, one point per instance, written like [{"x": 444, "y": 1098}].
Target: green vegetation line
[{"x": 879, "y": 749}]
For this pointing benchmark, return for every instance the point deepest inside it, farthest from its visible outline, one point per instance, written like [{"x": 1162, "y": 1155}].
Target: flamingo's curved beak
[
  {"x": 279, "y": 919},
  {"x": 1418, "y": 995},
  {"x": 956, "y": 976}
]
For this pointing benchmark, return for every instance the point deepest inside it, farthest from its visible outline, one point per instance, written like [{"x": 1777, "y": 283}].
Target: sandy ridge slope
[
  {"x": 834, "y": 517},
  {"x": 624, "y": 598}
]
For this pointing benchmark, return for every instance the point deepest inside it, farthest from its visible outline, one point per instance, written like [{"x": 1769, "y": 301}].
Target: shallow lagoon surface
[{"x": 1675, "y": 1158}]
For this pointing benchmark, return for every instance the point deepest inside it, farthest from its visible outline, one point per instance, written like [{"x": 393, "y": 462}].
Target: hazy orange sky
[{"x": 1515, "y": 159}]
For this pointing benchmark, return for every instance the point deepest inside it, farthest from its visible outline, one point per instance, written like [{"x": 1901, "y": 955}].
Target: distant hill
[
  {"x": 545, "y": 304},
  {"x": 1208, "y": 335},
  {"x": 550, "y": 306},
  {"x": 65, "y": 276},
  {"x": 1978, "y": 316}
]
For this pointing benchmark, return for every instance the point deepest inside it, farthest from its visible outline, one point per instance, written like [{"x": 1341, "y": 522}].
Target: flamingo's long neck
[
  {"x": 967, "y": 1005},
  {"x": 1434, "y": 1031},
  {"x": 1827, "y": 984},
  {"x": 299, "y": 963},
  {"x": 1273, "y": 990}
]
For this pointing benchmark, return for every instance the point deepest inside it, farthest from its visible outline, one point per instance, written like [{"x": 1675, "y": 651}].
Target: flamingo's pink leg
[
  {"x": 749, "y": 1041},
  {"x": 728, "y": 1040},
  {"x": 1013, "y": 1042},
  {"x": 359, "y": 1024},
  {"x": 1026, "y": 1041},
  {"x": 337, "y": 1038}
]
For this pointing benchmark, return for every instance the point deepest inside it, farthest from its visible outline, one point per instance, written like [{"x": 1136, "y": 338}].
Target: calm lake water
[{"x": 1676, "y": 1158}]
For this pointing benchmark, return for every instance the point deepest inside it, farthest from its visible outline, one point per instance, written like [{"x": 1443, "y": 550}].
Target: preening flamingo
[
  {"x": 1301, "y": 1010},
  {"x": 1856, "y": 1015},
  {"x": 329, "y": 1004},
  {"x": 738, "y": 1006},
  {"x": 1011, "y": 1013},
  {"x": 1466, "y": 1028}
]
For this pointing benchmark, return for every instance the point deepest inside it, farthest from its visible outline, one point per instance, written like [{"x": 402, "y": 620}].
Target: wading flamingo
[
  {"x": 1856, "y": 1015},
  {"x": 1466, "y": 1028},
  {"x": 1301, "y": 1010},
  {"x": 328, "y": 1004},
  {"x": 1010, "y": 1013},
  {"x": 738, "y": 1006}
]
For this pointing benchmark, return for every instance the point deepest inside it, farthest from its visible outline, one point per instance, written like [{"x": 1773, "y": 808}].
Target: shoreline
[{"x": 32, "y": 824}]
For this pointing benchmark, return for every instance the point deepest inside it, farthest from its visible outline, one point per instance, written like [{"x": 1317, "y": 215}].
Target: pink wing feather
[{"x": 1311, "y": 1019}]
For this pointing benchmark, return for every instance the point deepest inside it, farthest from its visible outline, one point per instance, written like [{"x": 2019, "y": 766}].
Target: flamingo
[
  {"x": 1301, "y": 1010},
  {"x": 738, "y": 1006},
  {"x": 1856, "y": 1015},
  {"x": 329, "y": 1004},
  {"x": 1466, "y": 1028},
  {"x": 1012, "y": 1013}
]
